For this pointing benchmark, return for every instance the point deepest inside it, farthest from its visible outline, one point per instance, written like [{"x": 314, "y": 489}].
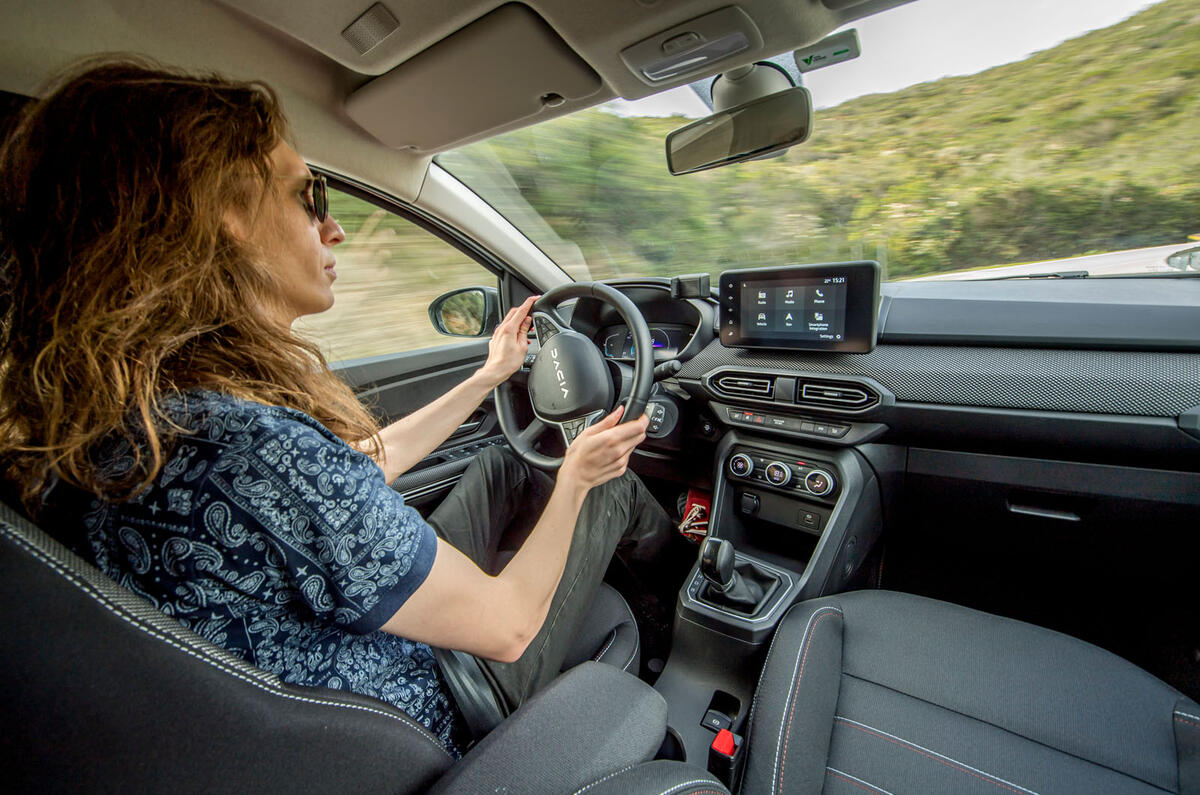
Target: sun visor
[{"x": 505, "y": 69}]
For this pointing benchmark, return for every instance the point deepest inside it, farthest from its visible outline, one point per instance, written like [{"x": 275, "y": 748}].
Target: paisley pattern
[{"x": 269, "y": 536}]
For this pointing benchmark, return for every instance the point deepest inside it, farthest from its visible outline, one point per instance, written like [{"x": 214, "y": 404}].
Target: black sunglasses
[{"x": 319, "y": 207}]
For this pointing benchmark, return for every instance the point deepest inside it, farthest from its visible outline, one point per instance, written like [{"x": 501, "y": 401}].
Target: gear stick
[{"x": 727, "y": 585}]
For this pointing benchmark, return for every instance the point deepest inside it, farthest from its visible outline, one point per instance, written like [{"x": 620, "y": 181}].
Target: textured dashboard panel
[{"x": 1101, "y": 382}]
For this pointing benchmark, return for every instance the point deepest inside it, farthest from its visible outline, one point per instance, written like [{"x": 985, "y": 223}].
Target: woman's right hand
[{"x": 601, "y": 452}]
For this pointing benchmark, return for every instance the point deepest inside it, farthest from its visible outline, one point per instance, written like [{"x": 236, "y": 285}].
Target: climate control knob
[
  {"x": 778, "y": 473},
  {"x": 741, "y": 465},
  {"x": 819, "y": 482}
]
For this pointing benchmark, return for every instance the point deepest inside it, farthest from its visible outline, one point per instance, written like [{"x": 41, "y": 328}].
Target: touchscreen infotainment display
[
  {"x": 813, "y": 309},
  {"x": 826, "y": 307}
]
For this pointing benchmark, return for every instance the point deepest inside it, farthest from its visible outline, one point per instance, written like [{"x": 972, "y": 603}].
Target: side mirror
[
  {"x": 747, "y": 131},
  {"x": 466, "y": 312},
  {"x": 1184, "y": 260}
]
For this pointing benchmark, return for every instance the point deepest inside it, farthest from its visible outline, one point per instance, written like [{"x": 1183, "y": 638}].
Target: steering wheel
[{"x": 570, "y": 385}]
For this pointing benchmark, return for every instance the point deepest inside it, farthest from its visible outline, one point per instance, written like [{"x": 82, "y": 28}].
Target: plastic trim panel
[{"x": 1100, "y": 382}]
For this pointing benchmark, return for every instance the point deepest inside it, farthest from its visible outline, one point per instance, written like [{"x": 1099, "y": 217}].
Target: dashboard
[{"x": 1114, "y": 361}]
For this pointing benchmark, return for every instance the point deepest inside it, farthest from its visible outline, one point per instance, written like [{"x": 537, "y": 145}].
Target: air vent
[
  {"x": 755, "y": 386},
  {"x": 835, "y": 394}
]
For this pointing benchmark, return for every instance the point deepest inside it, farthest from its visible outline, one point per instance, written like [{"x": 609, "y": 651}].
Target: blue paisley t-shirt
[{"x": 271, "y": 537}]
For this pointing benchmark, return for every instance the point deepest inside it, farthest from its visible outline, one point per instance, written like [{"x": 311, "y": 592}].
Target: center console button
[
  {"x": 778, "y": 473},
  {"x": 819, "y": 482},
  {"x": 741, "y": 465}
]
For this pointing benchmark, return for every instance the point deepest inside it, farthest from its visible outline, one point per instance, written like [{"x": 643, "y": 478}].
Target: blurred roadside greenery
[{"x": 1089, "y": 147}]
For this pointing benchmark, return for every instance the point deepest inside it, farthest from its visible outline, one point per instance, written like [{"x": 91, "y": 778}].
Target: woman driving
[{"x": 159, "y": 236}]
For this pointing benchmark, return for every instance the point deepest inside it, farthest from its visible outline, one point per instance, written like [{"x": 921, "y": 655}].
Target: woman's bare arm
[{"x": 407, "y": 441}]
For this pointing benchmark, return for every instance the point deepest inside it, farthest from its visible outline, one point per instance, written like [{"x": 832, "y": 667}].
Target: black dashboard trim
[{"x": 1138, "y": 383}]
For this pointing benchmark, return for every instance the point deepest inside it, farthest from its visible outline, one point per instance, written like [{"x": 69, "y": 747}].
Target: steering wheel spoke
[
  {"x": 520, "y": 377},
  {"x": 530, "y": 435}
]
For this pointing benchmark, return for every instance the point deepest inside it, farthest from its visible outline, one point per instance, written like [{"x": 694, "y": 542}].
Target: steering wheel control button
[
  {"x": 572, "y": 429},
  {"x": 544, "y": 328},
  {"x": 819, "y": 482},
  {"x": 778, "y": 473},
  {"x": 664, "y": 416},
  {"x": 741, "y": 465}
]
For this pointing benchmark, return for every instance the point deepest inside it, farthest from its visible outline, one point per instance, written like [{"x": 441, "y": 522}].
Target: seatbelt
[{"x": 478, "y": 699}]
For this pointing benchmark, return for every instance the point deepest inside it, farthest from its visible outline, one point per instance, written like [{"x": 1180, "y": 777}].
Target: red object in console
[
  {"x": 723, "y": 743},
  {"x": 695, "y": 515}
]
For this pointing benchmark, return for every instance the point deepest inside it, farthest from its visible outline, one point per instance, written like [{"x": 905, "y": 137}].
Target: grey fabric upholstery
[
  {"x": 593, "y": 720},
  {"x": 104, "y": 693},
  {"x": 656, "y": 778},
  {"x": 609, "y": 634},
  {"x": 888, "y": 692}
]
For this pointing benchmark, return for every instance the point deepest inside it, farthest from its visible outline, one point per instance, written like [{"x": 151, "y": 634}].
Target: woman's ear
[{"x": 236, "y": 224}]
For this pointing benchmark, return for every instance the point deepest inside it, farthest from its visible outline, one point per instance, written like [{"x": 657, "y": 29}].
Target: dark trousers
[{"x": 490, "y": 513}]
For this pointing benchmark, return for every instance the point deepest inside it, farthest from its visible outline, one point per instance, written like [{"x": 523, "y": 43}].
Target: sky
[{"x": 927, "y": 40}]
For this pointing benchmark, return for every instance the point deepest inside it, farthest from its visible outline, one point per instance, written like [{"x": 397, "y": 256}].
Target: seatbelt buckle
[{"x": 725, "y": 756}]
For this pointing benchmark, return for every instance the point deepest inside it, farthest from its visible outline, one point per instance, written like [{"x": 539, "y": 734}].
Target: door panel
[{"x": 394, "y": 386}]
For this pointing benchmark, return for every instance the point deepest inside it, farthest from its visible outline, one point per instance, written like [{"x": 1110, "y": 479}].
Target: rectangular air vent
[
  {"x": 756, "y": 386},
  {"x": 835, "y": 395}
]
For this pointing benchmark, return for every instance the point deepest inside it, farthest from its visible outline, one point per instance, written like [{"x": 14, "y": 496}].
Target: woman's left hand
[{"x": 507, "y": 347}]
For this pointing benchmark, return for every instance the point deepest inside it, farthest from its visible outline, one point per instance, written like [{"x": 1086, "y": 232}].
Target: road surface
[{"x": 1138, "y": 260}]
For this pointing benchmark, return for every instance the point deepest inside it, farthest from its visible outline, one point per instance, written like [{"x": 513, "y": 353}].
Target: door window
[{"x": 388, "y": 271}]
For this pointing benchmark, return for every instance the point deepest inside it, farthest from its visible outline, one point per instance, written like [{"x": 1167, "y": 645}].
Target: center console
[
  {"x": 801, "y": 521},
  {"x": 796, "y": 509}
]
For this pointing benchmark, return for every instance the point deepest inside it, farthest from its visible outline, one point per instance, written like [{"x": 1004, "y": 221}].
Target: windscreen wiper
[{"x": 1051, "y": 275}]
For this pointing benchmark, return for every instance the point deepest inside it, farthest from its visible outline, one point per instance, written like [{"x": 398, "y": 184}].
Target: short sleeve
[{"x": 327, "y": 529}]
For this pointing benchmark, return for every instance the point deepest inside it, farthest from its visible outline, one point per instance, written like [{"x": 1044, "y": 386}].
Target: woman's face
[{"x": 294, "y": 246}]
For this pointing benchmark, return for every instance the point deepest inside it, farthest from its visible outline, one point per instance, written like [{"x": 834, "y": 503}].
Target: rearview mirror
[
  {"x": 466, "y": 312},
  {"x": 744, "y": 132},
  {"x": 1188, "y": 259}
]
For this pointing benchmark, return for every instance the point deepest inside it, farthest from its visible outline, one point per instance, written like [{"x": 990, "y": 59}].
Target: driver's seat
[{"x": 102, "y": 691}]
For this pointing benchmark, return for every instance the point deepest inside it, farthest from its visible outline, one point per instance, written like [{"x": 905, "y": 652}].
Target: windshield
[{"x": 1080, "y": 158}]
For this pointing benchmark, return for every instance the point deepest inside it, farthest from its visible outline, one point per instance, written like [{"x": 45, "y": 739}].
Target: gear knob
[{"x": 716, "y": 562}]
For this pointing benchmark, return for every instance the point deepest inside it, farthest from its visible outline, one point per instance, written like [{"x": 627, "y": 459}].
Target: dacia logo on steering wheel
[{"x": 558, "y": 373}]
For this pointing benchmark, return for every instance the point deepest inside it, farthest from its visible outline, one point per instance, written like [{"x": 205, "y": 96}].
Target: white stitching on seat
[
  {"x": 859, "y": 780},
  {"x": 792, "y": 686},
  {"x": 1185, "y": 715},
  {"x": 678, "y": 787},
  {"x": 995, "y": 778},
  {"x": 611, "y": 637},
  {"x": 637, "y": 637},
  {"x": 758, "y": 688},
  {"x": 103, "y": 601},
  {"x": 587, "y": 787}
]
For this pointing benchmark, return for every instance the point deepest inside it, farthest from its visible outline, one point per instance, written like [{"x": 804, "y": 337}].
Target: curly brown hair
[{"x": 120, "y": 283}]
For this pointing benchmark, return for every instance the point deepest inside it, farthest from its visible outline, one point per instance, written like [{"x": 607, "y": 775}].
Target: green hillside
[{"x": 1091, "y": 146}]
